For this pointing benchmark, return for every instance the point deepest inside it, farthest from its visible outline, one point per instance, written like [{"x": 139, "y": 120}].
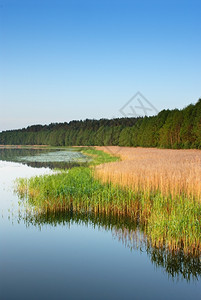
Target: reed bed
[
  {"x": 171, "y": 221},
  {"x": 169, "y": 172}
]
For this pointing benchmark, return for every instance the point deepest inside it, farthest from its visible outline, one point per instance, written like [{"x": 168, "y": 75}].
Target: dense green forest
[{"x": 169, "y": 129}]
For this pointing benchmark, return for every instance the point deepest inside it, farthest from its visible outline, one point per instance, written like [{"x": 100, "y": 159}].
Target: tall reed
[
  {"x": 173, "y": 221},
  {"x": 170, "y": 172}
]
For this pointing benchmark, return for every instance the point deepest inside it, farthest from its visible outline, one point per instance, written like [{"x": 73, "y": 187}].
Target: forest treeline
[{"x": 169, "y": 129}]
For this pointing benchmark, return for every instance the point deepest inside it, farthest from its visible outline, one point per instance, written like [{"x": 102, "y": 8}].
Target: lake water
[{"x": 78, "y": 255}]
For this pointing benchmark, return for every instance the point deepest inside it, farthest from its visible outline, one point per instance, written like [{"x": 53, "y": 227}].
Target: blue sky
[{"x": 64, "y": 60}]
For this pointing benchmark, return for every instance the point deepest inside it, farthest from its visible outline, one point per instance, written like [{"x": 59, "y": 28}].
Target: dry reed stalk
[{"x": 172, "y": 172}]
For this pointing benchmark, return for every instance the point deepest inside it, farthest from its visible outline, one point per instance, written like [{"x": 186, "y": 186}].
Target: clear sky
[{"x": 65, "y": 60}]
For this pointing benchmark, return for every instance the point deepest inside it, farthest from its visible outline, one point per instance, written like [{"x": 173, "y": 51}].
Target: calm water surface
[{"x": 78, "y": 255}]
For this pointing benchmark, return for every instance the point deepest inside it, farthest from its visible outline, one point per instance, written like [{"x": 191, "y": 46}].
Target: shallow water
[{"x": 79, "y": 255}]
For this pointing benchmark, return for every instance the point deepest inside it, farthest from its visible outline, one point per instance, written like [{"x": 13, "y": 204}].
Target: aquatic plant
[
  {"x": 97, "y": 156},
  {"x": 171, "y": 221}
]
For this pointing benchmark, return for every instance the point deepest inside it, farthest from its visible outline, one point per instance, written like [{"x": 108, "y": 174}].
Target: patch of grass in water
[
  {"x": 175, "y": 222},
  {"x": 98, "y": 156}
]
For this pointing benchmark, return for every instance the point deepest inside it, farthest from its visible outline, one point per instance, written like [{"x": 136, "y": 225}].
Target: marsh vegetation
[
  {"x": 73, "y": 225},
  {"x": 170, "y": 215}
]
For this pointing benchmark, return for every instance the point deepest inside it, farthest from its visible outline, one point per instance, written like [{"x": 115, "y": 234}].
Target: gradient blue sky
[{"x": 64, "y": 60}]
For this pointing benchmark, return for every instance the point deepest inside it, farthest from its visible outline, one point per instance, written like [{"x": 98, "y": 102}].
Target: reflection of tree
[
  {"x": 14, "y": 154},
  {"x": 176, "y": 263},
  {"x": 7, "y": 154},
  {"x": 54, "y": 165}
]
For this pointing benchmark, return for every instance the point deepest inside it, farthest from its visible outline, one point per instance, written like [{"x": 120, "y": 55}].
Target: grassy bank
[
  {"x": 173, "y": 221},
  {"x": 97, "y": 156}
]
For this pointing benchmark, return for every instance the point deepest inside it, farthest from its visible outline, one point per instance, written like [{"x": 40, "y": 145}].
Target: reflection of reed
[
  {"x": 132, "y": 239},
  {"x": 176, "y": 263}
]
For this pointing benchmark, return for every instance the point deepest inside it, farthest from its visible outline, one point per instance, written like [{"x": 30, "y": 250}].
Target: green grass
[
  {"x": 98, "y": 156},
  {"x": 173, "y": 222}
]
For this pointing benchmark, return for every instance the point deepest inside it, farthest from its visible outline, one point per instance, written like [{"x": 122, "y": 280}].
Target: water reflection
[
  {"x": 12, "y": 154},
  {"x": 176, "y": 263},
  {"x": 44, "y": 158},
  {"x": 54, "y": 165}
]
